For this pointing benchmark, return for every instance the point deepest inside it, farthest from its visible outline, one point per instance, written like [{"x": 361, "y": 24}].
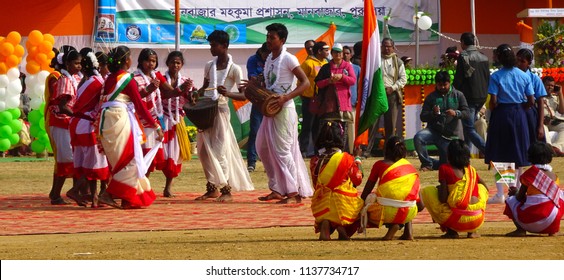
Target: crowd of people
[{"x": 106, "y": 124}]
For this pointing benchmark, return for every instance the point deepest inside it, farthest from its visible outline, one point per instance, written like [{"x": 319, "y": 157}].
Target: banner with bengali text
[{"x": 152, "y": 21}]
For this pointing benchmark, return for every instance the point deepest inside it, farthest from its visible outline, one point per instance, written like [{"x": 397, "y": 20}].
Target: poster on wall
[{"x": 152, "y": 21}]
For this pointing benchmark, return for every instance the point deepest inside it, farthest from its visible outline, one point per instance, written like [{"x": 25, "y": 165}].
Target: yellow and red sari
[
  {"x": 394, "y": 200},
  {"x": 458, "y": 213},
  {"x": 335, "y": 198}
]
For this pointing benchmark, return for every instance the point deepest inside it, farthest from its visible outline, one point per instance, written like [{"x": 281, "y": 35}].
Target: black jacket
[{"x": 472, "y": 75}]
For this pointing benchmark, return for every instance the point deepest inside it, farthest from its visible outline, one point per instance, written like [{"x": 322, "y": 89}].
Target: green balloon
[
  {"x": 450, "y": 72},
  {"x": 5, "y": 117},
  {"x": 4, "y": 144},
  {"x": 37, "y": 147},
  {"x": 5, "y": 131},
  {"x": 407, "y": 71},
  {"x": 34, "y": 117},
  {"x": 417, "y": 77},
  {"x": 14, "y": 139},
  {"x": 16, "y": 125},
  {"x": 16, "y": 113},
  {"x": 42, "y": 125},
  {"x": 49, "y": 148},
  {"x": 43, "y": 138},
  {"x": 42, "y": 108},
  {"x": 34, "y": 130}
]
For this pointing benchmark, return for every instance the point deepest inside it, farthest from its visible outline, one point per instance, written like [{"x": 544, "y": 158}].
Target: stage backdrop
[{"x": 152, "y": 21}]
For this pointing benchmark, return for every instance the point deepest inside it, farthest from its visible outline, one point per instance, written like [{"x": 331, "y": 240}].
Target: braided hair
[
  {"x": 505, "y": 55},
  {"x": 89, "y": 61},
  {"x": 117, "y": 58},
  {"x": 331, "y": 135}
]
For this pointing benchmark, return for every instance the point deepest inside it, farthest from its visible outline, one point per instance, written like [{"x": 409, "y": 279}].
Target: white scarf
[
  {"x": 546, "y": 167},
  {"x": 176, "y": 117},
  {"x": 71, "y": 78},
  {"x": 269, "y": 64},
  {"x": 213, "y": 76},
  {"x": 155, "y": 95}
]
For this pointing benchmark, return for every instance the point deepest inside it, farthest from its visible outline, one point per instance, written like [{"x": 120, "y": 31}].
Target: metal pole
[
  {"x": 177, "y": 24},
  {"x": 473, "y": 16},
  {"x": 416, "y": 40}
]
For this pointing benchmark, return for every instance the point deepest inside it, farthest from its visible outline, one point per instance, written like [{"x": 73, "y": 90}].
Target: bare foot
[
  {"x": 324, "y": 230},
  {"x": 209, "y": 194},
  {"x": 168, "y": 193},
  {"x": 59, "y": 201},
  {"x": 553, "y": 234},
  {"x": 107, "y": 199},
  {"x": 291, "y": 200},
  {"x": 271, "y": 196},
  {"x": 406, "y": 237},
  {"x": 391, "y": 232},
  {"x": 343, "y": 235},
  {"x": 225, "y": 198},
  {"x": 450, "y": 234},
  {"x": 517, "y": 233},
  {"x": 473, "y": 235},
  {"x": 95, "y": 201},
  {"x": 77, "y": 198}
]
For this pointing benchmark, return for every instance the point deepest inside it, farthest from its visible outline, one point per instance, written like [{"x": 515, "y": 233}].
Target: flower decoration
[
  {"x": 192, "y": 133},
  {"x": 549, "y": 51}
]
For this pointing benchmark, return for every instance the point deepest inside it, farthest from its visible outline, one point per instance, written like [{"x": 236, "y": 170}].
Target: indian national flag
[
  {"x": 242, "y": 109},
  {"x": 372, "y": 94}
]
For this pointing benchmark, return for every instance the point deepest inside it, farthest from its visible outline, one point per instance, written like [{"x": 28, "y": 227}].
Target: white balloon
[
  {"x": 39, "y": 91},
  {"x": 13, "y": 102},
  {"x": 2, "y": 106},
  {"x": 30, "y": 80},
  {"x": 4, "y": 81},
  {"x": 35, "y": 103},
  {"x": 42, "y": 76},
  {"x": 425, "y": 22},
  {"x": 14, "y": 87},
  {"x": 2, "y": 94},
  {"x": 13, "y": 74}
]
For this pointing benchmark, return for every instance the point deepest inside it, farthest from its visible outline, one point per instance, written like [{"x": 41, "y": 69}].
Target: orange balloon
[
  {"x": 14, "y": 37},
  {"x": 32, "y": 67},
  {"x": 19, "y": 50},
  {"x": 3, "y": 68},
  {"x": 51, "y": 54},
  {"x": 46, "y": 65},
  {"x": 41, "y": 58},
  {"x": 12, "y": 61},
  {"x": 35, "y": 37},
  {"x": 45, "y": 46},
  {"x": 28, "y": 44},
  {"x": 2, "y": 58},
  {"x": 32, "y": 51},
  {"x": 48, "y": 37},
  {"x": 6, "y": 48}
]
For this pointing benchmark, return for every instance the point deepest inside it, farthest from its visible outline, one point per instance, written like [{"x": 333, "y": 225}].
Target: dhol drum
[
  {"x": 266, "y": 100},
  {"x": 202, "y": 114}
]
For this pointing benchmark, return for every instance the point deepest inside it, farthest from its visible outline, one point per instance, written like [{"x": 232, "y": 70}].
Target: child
[
  {"x": 395, "y": 201},
  {"x": 103, "y": 64},
  {"x": 458, "y": 204},
  {"x": 61, "y": 98},
  {"x": 120, "y": 135},
  {"x": 89, "y": 164},
  {"x": 218, "y": 151},
  {"x": 153, "y": 88},
  {"x": 335, "y": 174},
  {"x": 538, "y": 206},
  {"x": 173, "y": 114}
]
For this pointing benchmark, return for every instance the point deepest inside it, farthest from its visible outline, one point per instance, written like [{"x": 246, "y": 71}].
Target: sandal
[
  {"x": 291, "y": 200},
  {"x": 271, "y": 196}
]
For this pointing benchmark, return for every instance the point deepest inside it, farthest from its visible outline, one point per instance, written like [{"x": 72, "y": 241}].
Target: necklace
[
  {"x": 215, "y": 95},
  {"x": 176, "y": 117},
  {"x": 155, "y": 95},
  {"x": 270, "y": 64}
]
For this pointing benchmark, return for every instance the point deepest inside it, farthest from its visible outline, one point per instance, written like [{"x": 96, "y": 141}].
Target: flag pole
[{"x": 177, "y": 25}]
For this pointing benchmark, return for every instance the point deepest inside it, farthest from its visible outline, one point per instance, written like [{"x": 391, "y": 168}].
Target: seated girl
[
  {"x": 539, "y": 204},
  {"x": 394, "y": 202},
  {"x": 335, "y": 174},
  {"x": 458, "y": 204}
]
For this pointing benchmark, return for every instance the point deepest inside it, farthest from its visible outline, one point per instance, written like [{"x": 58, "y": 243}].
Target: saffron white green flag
[{"x": 373, "y": 101}]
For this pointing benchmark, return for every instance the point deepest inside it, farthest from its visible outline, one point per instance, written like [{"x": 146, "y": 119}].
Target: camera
[{"x": 556, "y": 88}]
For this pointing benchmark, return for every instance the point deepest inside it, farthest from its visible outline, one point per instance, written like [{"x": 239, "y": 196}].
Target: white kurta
[
  {"x": 277, "y": 138},
  {"x": 217, "y": 146}
]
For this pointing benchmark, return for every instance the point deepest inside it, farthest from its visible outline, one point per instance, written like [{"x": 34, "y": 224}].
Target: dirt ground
[{"x": 276, "y": 243}]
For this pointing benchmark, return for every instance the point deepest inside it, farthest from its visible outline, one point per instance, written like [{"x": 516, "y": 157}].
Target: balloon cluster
[
  {"x": 11, "y": 52},
  {"x": 39, "y": 52},
  {"x": 36, "y": 119},
  {"x": 423, "y": 76}
]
